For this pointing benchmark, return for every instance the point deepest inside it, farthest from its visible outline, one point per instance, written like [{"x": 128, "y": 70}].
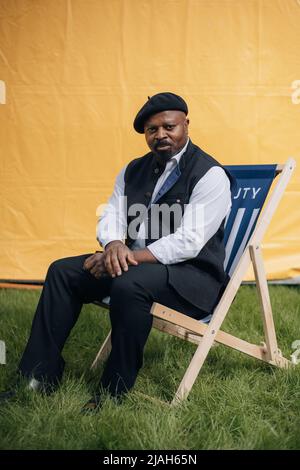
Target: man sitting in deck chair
[{"x": 172, "y": 253}]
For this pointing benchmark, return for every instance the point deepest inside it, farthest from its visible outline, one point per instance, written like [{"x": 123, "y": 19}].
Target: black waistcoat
[{"x": 199, "y": 280}]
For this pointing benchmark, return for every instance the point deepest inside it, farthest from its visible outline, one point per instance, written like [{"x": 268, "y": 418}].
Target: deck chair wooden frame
[
  {"x": 182, "y": 326},
  {"x": 2, "y": 352}
]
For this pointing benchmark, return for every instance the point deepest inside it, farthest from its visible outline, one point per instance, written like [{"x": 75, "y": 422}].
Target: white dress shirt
[{"x": 209, "y": 204}]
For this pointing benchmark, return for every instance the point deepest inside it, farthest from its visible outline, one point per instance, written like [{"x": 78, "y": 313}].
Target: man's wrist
[
  {"x": 144, "y": 256},
  {"x": 113, "y": 242}
]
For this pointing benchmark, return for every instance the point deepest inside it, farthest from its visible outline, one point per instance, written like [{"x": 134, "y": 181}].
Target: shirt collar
[{"x": 176, "y": 158}]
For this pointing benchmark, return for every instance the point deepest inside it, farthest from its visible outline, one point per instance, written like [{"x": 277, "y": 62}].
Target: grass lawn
[{"x": 237, "y": 402}]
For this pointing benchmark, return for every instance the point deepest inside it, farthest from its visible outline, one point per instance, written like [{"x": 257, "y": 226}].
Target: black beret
[{"x": 157, "y": 103}]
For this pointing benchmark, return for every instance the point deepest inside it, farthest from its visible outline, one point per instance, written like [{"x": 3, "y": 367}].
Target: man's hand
[
  {"x": 95, "y": 265},
  {"x": 117, "y": 257}
]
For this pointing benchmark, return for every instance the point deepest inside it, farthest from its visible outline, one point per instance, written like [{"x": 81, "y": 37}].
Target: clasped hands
[{"x": 113, "y": 261}]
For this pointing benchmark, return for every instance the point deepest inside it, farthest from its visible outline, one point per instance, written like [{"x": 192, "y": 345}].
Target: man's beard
[{"x": 163, "y": 155}]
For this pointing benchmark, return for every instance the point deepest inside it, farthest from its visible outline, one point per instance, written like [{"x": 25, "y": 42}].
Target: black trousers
[{"x": 67, "y": 287}]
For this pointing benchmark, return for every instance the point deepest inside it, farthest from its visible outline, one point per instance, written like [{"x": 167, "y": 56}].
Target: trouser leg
[
  {"x": 67, "y": 287},
  {"x": 132, "y": 295}
]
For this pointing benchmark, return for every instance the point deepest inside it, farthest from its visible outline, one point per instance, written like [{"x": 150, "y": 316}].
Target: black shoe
[
  {"x": 41, "y": 386},
  {"x": 31, "y": 385},
  {"x": 7, "y": 395},
  {"x": 93, "y": 405},
  {"x": 97, "y": 401}
]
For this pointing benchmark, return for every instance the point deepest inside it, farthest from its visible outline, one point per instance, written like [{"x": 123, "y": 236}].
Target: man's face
[{"x": 166, "y": 133}]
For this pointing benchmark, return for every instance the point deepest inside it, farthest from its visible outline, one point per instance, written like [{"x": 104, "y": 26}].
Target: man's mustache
[{"x": 161, "y": 143}]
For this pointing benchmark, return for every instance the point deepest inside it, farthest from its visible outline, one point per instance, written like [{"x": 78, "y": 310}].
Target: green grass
[{"x": 236, "y": 402}]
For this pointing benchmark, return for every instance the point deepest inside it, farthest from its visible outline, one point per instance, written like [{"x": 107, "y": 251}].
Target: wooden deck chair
[{"x": 244, "y": 231}]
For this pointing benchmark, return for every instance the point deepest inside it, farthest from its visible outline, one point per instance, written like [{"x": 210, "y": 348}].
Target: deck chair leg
[
  {"x": 264, "y": 297},
  {"x": 193, "y": 369},
  {"x": 2, "y": 352},
  {"x": 103, "y": 352},
  {"x": 212, "y": 330}
]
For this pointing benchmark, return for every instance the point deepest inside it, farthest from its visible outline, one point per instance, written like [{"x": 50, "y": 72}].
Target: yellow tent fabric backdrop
[{"x": 73, "y": 74}]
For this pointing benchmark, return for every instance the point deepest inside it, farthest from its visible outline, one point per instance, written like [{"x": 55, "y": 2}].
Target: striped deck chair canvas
[{"x": 244, "y": 230}]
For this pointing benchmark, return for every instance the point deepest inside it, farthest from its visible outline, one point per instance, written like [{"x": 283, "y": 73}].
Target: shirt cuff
[
  {"x": 158, "y": 251},
  {"x": 105, "y": 242}
]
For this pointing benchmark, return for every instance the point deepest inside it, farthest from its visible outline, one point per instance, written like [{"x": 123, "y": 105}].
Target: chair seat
[{"x": 106, "y": 301}]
